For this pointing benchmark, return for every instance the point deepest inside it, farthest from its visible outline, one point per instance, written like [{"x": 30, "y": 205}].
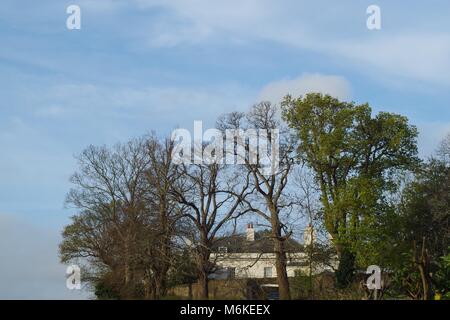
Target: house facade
[{"x": 252, "y": 256}]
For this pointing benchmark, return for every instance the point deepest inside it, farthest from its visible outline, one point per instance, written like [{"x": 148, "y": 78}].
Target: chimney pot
[{"x": 250, "y": 232}]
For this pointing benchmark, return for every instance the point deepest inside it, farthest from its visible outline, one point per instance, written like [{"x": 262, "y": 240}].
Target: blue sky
[{"x": 143, "y": 65}]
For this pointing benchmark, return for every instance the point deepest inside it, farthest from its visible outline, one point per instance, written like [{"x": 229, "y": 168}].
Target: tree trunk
[
  {"x": 127, "y": 263},
  {"x": 190, "y": 296},
  {"x": 203, "y": 267},
  {"x": 280, "y": 256},
  {"x": 422, "y": 264},
  {"x": 160, "y": 285},
  {"x": 282, "y": 277},
  {"x": 425, "y": 283},
  {"x": 346, "y": 268},
  {"x": 310, "y": 271},
  {"x": 162, "y": 265},
  {"x": 204, "y": 289}
]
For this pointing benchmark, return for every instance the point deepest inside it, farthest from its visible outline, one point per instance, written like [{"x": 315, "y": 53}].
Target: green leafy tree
[
  {"x": 425, "y": 228},
  {"x": 442, "y": 278},
  {"x": 354, "y": 157},
  {"x": 411, "y": 239}
]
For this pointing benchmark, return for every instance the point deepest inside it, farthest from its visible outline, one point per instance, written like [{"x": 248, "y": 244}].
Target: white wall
[{"x": 251, "y": 265}]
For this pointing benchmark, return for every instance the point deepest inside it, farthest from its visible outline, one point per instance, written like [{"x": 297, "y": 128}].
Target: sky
[{"x": 142, "y": 65}]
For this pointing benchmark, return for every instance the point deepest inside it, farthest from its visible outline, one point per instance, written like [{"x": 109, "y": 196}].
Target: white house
[{"x": 252, "y": 255}]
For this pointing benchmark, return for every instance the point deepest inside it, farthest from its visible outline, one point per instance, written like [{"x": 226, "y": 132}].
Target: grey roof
[{"x": 238, "y": 243}]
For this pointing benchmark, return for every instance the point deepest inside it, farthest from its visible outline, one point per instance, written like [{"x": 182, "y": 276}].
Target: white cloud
[
  {"x": 101, "y": 7},
  {"x": 403, "y": 49},
  {"x": 407, "y": 51},
  {"x": 328, "y": 84},
  {"x": 424, "y": 57},
  {"x": 195, "y": 21},
  {"x": 156, "y": 103}
]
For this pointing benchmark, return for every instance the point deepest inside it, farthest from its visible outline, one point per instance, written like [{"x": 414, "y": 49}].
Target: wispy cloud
[
  {"x": 328, "y": 84},
  {"x": 406, "y": 50},
  {"x": 423, "y": 57}
]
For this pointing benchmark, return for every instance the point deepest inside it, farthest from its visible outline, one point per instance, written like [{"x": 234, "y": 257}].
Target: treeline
[{"x": 145, "y": 223}]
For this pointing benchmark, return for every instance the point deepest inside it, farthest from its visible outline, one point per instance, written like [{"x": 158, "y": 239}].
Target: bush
[{"x": 346, "y": 270}]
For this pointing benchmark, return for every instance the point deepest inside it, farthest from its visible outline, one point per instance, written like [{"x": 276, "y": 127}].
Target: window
[
  {"x": 267, "y": 272},
  {"x": 231, "y": 273},
  {"x": 222, "y": 250}
]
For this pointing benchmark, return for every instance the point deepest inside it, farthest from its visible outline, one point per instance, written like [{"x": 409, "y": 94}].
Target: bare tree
[
  {"x": 161, "y": 175},
  {"x": 128, "y": 219},
  {"x": 271, "y": 201},
  {"x": 443, "y": 151},
  {"x": 109, "y": 191},
  {"x": 214, "y": 196},
  {"x": 320, "y": 254}
]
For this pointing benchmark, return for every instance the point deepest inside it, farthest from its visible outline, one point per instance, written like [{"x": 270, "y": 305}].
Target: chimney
[
  {"x": 309, "y": 236},
  {"x": 250, "y": 232}
]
